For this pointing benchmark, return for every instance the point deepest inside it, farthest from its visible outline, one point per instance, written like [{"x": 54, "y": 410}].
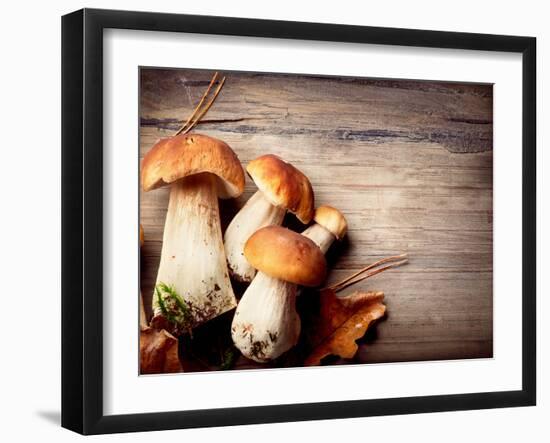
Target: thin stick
[
  {"x": 339, "y": 287},
  {"x": 356, "y": 278},
  {"x": 214, "y": 78},
  {"x": 206, "y": 108},
  {"x": 369, "y": 267}
]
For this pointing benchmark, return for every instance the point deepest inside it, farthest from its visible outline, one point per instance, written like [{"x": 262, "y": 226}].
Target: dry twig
[
  {"x": 362, "y": 274},
  {"x": 199, "y": 111}
]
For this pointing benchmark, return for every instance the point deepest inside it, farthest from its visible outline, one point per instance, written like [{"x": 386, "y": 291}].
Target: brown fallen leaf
[
  {"x": 158, "y": 349},
  {"x": 341, "y": 321},
  {"x": 158, "y": 352}
]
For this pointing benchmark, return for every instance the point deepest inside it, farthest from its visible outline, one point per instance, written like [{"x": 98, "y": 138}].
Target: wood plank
[
  {"x": 458, "y": 116},
  {"x": 410, "y": 165}
]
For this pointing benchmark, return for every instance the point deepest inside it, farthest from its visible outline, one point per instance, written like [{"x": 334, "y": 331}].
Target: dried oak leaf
[
  {"x": 158, "y": 351},
  {"x": 341, "y": 321}
]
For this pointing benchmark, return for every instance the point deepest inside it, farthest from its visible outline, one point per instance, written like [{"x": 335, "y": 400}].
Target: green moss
[
  {"x": 173, "y": 307},
  {"x": 229, "y": 358},
  {"x": 160, "y": 302}
]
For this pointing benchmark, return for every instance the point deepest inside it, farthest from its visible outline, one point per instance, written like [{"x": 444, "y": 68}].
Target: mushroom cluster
[{"x": 193, "y": 282}]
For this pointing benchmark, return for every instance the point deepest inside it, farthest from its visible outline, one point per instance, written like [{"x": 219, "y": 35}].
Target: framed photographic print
[{"x": 270, "y": 221}]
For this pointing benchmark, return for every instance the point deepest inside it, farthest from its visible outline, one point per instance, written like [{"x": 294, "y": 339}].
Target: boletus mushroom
[
  {"x": 330, "y": 225},
  {"x": 192, "y": 283},
  {"x": 266, "y": 323},
  {"x": 281, "y": 188}
]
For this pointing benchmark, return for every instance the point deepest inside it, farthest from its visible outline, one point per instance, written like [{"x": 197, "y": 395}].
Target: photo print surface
[{"x": 303, "y": 220}]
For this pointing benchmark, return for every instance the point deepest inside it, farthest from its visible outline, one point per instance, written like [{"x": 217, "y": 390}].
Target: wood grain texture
[{"x": 410, "y": 165}]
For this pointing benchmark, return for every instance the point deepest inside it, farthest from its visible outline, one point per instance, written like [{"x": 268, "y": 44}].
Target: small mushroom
[
  {"x": 330, "y": 224},
  {"x": 281, "y": 188},
  {"x": 192, "y": 283},
  {"x": 266, "y": 323}
]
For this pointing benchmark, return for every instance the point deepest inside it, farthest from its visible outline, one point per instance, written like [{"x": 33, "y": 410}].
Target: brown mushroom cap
[
  {"x": 286, "y": 255},
  {"x": 332, "y": 220},
  {"x": 173, "y": 158},
  {"x": 283, "y": 185}
]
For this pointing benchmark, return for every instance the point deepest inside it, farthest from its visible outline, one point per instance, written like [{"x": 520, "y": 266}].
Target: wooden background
[{"x": 410, "y": 165}]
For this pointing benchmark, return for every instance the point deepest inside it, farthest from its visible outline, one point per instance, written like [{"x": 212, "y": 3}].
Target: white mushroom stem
[
  {"x": 255, "y": 214},
  {"x": 193, "y": 284},
  {"x": 321, "y": 236},
  {"x": 266, "y": 323}
]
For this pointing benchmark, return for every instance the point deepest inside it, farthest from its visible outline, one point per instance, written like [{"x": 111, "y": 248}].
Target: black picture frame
[{"x": 82, "y": 218}]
